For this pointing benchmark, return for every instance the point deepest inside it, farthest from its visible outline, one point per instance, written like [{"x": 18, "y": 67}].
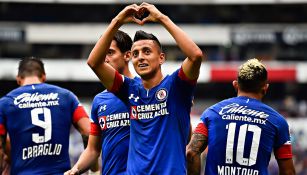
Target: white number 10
[
  {"x": 241, "y": 141},
  {"x": 45, "y": 124}
]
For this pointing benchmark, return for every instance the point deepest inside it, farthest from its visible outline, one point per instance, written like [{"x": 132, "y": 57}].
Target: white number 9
[{"x": 45, "y": 124}]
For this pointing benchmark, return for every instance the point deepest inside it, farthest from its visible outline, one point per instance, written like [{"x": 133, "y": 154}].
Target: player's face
[
  {"x": 115, "y": 57},
  {"x": 146, "y": 58}
]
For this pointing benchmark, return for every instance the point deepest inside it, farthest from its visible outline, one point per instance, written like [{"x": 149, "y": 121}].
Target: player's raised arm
[
  {"x": 191, "y": 64},
  {"x": 96, "y": 60}
]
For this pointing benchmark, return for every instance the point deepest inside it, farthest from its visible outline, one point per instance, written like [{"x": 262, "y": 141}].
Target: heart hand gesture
[
  {"x": 129, "y": 14},
  {"x": 139, "y": 14}
]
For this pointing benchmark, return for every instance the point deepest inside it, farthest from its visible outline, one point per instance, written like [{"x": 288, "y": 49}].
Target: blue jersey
[
  {"x": 38, "y": 118},
  {"x": 110, "y": 119},
  {"x": 242, "y": 133},
  {"x": 160, "y": 121}
]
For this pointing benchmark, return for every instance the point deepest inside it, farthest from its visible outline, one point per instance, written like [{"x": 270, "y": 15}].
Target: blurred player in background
[
  {"x": 242, "y": 132},
  {"x": 110, "y": 128},
  {"x": 160, "y": 106},
  {"x": 38, "y": 117}
]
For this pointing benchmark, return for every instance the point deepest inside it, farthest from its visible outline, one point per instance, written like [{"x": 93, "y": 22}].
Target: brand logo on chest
[{"x": 135, "y": 99}]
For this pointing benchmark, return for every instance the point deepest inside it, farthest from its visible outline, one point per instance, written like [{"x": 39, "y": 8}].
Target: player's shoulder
[
  {"x": 57, "y": 89},
  {"x": 274, "y": 115},
  {"x": 104, "y": 94},
  {"x": 134, "y": 81},
  {"x": 226, "y": 103},
  {"x": 174, "y": 74},
  {"x": 2, "y": 100},
  {"x": 223, "y": 102},
  {"x": 12, "y": 94},
  {"x": 137, "y": 79}
]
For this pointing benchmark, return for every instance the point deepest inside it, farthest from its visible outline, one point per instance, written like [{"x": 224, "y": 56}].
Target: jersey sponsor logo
[
  {"x": 135, "y": 99},
  {"x": 237, "y": 112},
  {"x": 227, "y": 170},
  {"x": 149, "y": 111},
  {"x": 36, "y": 97},
  {"x": 35, "y": 100},
  {"x": 235, "y": 108},
  {"x": 114, "y": 120},
  {"x": 133, "y": 113},
  {"x": 161, "y": 94},
  {"x": 243, "y": 118},
  {"x": 102, "y": 122}
]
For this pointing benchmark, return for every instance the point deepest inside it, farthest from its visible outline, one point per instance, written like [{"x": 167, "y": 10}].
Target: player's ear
[
  {"x": 235, "y": 85},
  {"x": 162, "y": 58},
  {"x": 265, "y": 88},
  {"x": 127, "y": 56},
  {"x": 43, "y": 78},
  {"x": 19, "y": 80}
]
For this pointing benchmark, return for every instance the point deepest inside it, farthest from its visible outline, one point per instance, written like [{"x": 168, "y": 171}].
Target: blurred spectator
[{"x": 302, "y": 108}]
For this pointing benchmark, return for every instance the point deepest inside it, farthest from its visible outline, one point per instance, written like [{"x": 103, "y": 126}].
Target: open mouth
[{"x": 142, "y": 65}]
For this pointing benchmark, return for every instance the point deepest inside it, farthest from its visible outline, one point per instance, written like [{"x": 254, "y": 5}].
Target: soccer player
[
  {"x": 38, "y": 117},
  {"x": 160, "y": 106},
  {"x": 110, "y": 128},
  {"x": 242, "y": 132}
]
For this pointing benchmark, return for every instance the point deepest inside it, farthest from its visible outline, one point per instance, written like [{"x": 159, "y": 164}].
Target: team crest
[
  {"x": 102, "y": 122},
  {"x": 161, "y": 94}
]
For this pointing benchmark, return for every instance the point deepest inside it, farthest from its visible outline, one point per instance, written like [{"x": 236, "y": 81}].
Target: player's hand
[
  {"x": 129, "y": 14},
  {"x": 154, "y": 14},
  {"x": 73, "y": 171}
]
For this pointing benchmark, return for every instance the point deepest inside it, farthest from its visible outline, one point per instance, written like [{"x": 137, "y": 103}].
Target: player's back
[
  {"x": 242, "y": 133},
  {"x": 38, "y": 118}
]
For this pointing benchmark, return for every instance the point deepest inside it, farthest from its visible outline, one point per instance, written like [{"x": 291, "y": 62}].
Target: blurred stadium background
[{"x": 63, "y": 32}]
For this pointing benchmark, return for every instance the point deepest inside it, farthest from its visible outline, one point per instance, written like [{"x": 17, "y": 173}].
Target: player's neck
[
  {"x": 153, "y": 81},
  {"x": 127, "y": 73},
  {"x": 30, "y": 80},
  {"x": 251, "y": 95}
]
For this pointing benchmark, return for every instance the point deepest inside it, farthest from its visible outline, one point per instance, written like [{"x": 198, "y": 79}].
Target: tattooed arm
[{"x": 196, "y": 146}]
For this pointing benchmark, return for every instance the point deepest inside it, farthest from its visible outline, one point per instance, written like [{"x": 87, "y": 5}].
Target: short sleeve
[
  {"x": 127, "y": 84},
  {"x": 183, "y": 86},
  {"x": 204, "y": 117},
  {"x": 282, "y": 145},
  {"x": 78, "y": 110},
  {"x": 201, "y": 129},
  {"x": 183, "y": 77},
  {"x": 283, "y": 133},
  {"x": 95, "y": 128},
  {"x": 2, "y": 118}
]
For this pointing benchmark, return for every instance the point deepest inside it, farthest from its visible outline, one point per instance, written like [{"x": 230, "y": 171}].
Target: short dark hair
[
  {"x": 141, "y": 35},
  {"x": 252, "y": 76},
  {"x": 31, "y": 67},
  {"x": 123, "y": 41}
]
